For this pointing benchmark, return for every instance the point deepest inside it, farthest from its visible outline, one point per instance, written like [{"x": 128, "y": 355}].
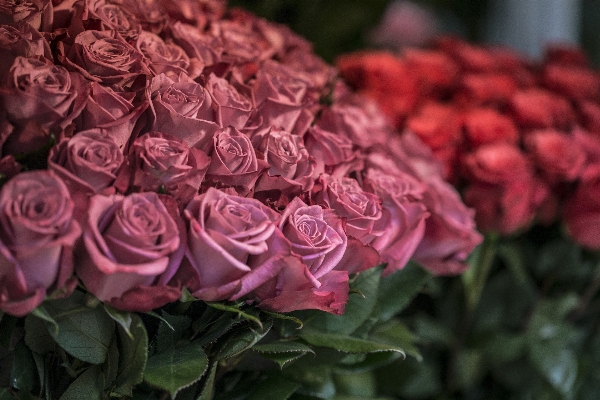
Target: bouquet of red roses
[{"x": 154, "y": 154}]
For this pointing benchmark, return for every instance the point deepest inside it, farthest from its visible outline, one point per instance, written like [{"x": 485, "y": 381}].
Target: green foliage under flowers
[
  {"x": 522, "y": 324},
  {"x": 79, "y": 348}
]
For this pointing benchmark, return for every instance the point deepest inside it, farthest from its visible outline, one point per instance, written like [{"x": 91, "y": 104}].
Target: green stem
[{"x": 480, "y": 265}]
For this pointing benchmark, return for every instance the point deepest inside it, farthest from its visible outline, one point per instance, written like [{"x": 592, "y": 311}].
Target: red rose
[
  {"x": 539, "y": 108},
  {"x": 581, "y": 213},
  {"x": 37, "y": 235},
  {"x": 558, "y": 156},
  {"x": 486, "y": 125}
]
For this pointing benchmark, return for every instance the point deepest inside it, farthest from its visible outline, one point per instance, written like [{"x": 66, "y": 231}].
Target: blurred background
[{"x": 340, "y": 26}]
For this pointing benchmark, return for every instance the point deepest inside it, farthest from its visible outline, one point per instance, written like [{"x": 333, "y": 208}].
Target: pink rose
[
  {"x": 131, "y": 249},
  {"x": 148, "y": 12},
  {"x": 114, "y": 113},
  {"x": 206, "y": 49},
  {"x": 88, "y": 162},
  {"x": 104, "y": 16},
  {"x": 20, "y": 40},
  {"x": 402, "y": 223},
  {"x": 581, "y": 213},
  {"x": 36, "y": 238},
  {"x": 183, "y": 109},
  {"x": 44, "y": 92},
  {"x": 234, "y": 162},
  {"x": 241, "y": 42},
  {"x": 361, "y": 210},
  {"x": 331, "y": 150},
  {"x": 105, "y": 57},
  {"x": 232, "y": 108},
  {"x": 37, "y": 13},
  {"x": 233, "y": 246},
  {"x": 159, "y": 160},
  {"x": 450, "y": 232},
  {"x": 316, "y": 234},
  {"x": 163, "y": 58}
]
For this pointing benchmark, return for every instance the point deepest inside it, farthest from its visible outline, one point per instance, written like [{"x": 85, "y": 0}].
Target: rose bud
[
  {"x": 131, "y": 249},
  {"x": 37, "y": 234}
]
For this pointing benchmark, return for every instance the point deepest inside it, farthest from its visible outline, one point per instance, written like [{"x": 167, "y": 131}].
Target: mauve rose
[
  {"x": 572, "y": 82},
  {"x": 361, "y": 210},
  {"x": 37, "y": 233},
  {"x": 105, "y": 57},
  {"x": 161, "y": 57},
  {"x": 329, "y": 149},
  {"x": 37, "y": 13},
  {"x": 20, "y": 40},
  {"x": 289, "y": 159},
  {"x": 45, "y": 93},
  {"x": 234, "y": 162},
  {"x": 581, "y": 213},
  {"x": 558, "y": 156},
  {"x": 88, "y": 162},
  {"x": 232, "y": 108},
  {"x": 114, "y": 113},
  {"x": 402, "y": 223},
  {"x": 159, "y": 160},
  {"x": 103, "y": 16},
  {"x": 131, "y": 248},
  {"x": 486, "y": 125},
  {"x": 241, "y": 42},
  {"x": 233, "y": 246},
  {"x": 183, "y": 109},
  {"x": 450, "y": 231},
  {"x": 205, "y": 48},
  {"x": 148, "y": 12},
  {"x": 317, "y": 236}
]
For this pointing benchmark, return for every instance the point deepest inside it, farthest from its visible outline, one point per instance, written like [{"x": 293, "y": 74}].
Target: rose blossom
[
  {"x": 234, "y": 162},
  {"x": 329, "y": 149},
  {"x": 450, "y": 232},
  {"x": 582, "y": 212},
  {"x": 104, "y": 16},
  {"x": 232, "y": 108},
  {"x": 183, "y": 109},
  {"x": 20, "y": 40},
  {"x": 148, "y": 12},
  {"x": 486, "y": 125},
  {"x": 233, "y": 246},
  {"x": 37, "y": 13},
  {"x": 37, "y": 233},
  {"x": 160, "y": 160},
  {"x": 132, "y": 247},
  {"x": 169, "y": 59},
  {"x": 46, "y": 93},
  {"x": 88, "y": 161},
  {"x": 104, "y": 57},
  {"x": 206, "y": 49}
]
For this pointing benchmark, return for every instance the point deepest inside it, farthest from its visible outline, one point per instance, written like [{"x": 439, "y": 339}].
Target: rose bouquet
[
  {"x": 179, "y": 180},
  {"x": 519, "y": 139}
]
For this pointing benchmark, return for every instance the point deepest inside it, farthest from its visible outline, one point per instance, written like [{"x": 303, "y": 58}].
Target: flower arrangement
[
  {"x": 519, "y": 140},
  {"x": 179, "y": 181}
]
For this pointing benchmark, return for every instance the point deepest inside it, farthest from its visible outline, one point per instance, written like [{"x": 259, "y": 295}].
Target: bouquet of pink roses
[{"x": 158, "y": 153}]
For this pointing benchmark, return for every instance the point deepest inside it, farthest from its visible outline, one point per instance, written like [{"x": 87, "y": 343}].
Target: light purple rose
[
  {"x": 234, "y": 246},
  {"x": 37, "y": 235},
  {"x": 132, "y": 247}
]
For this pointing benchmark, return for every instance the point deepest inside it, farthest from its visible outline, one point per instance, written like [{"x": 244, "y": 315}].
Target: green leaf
[
  {"x": 5, "y": 394},
  {"x": 7, "y": 325},
  {"x": 37, "y": 337},
  {"x": 43, "y": 314},
  {"x": 362, "y": 385},
  {"x": 315, "y": 381},
  {"x": 558, "y": 365},
  {"x": 275, "y": 387},
  {"x": 480, "y": 265},
  {"x": 220, "y": 327},
  {"x": 110, "y": 368},
  {"x": 209, "y": 384},
  {"x": 503, "y": 347},
  {"x": 120, "y": 317},
  {"x": 155, "y": 315},
  {"x": 172, "y": 329},
  {"x": 186, "y": 296},
  {"x": 83, "y": 332},
  {"x": 398, "y": 289},
  {"x": 241, "y": 341},
  {"x": 282, "y": 352},
  {"x": 87, "y": 386},
  {"x": 395, "y": 333},
  {"x": 275, "y": 315},
  {"x": 176, "y": 368},
  {"x": 358, "y": 308},
  {"x": 468, "y": 368},
  {"x": 345, "y": 343},
  {"x": 236, "y": 309},
  {"x": 23, "y": 375},
  {"x": 132, "y": 357}
]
